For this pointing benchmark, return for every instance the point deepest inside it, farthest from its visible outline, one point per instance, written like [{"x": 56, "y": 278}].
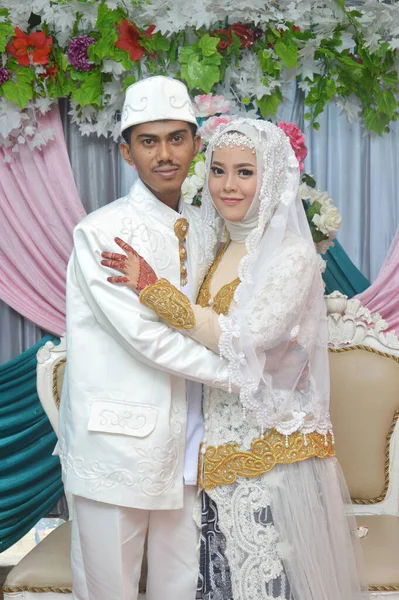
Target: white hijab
[{"x": 275, "y": 216}]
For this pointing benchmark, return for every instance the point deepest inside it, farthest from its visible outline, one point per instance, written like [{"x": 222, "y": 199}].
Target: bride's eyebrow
[{"x": 238, "y": 166}]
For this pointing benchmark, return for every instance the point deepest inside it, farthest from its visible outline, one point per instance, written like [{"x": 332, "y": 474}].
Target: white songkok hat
[{"x": 156, "y": 99}]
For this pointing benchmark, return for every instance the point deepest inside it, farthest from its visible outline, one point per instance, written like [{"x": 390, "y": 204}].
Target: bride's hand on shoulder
[{"x": 137, "y": 273}]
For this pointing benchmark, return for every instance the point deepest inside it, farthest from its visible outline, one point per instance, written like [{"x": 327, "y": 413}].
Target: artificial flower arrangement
[
  {"x": 90, "y": 51},
  {"x": 323, "y": 217}
]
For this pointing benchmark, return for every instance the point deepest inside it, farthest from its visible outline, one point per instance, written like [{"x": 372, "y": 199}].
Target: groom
[{"x": 130, "y": 426}]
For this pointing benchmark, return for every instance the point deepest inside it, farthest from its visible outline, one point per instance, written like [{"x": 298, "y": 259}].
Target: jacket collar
[{"x": 139, "y": 194}]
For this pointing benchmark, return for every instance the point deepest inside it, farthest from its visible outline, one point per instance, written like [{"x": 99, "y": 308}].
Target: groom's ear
[
  {"x": 197, "y": 141},
  {"x": 125, "y": 151}
]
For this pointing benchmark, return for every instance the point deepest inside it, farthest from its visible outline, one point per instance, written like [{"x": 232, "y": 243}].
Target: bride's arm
[
  {"x": 175, "y": 308},
  {"x": 167, "y": 301}
]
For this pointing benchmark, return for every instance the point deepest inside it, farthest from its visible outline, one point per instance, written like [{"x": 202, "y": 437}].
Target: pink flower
[
  {"x": 297, "y": 140},
  {"x": 208, "y": 104},
  {"x": 211, "y": 124}
]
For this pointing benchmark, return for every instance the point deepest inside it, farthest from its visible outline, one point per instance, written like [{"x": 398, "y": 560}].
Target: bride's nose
[{"x": 230, "y": 184}]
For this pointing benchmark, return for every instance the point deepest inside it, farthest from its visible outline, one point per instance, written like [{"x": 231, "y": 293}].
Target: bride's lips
[
  {"x": 167, "y": 172},
  {"x": 231, "y": 201}
]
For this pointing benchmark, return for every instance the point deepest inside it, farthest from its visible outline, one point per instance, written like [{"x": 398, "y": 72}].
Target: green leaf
[
  {"x": 6, "y": 31},
  {"x": 200, "y": 75},
  {"x": 123, "y": 57},
  {"x": 107, "y": 18},
  {"x": 105, "y": 45},
  {"x": 60, "y": 88},
  {"x": 268, "y": 104},
  {"x": 316, "y": 125},
  {"x": 19, "y": 92},
  {"x": 78, "y": 75},
  {"x": 390, "y": 78},
  {"x": 129, "y": 80},
  {"x": 314, "y": 209},
  {"x": 308, "y": 179},
  {"x": 216, "y": 59},
  {"x": 287, "y": 50},
  {"x": 173, "y": 47},
  {"x": 25, "y": 75},
  {"x": 90, "y": 90},
  {"x": 158, "y": 42},
  {"x": 387, "y": 102},
  {"x": 188, "y": 53},
  {"x": 208, "y": 45}
]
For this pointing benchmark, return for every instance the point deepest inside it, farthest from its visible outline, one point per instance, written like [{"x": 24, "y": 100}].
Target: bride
[{"x": 274, "y": 524}]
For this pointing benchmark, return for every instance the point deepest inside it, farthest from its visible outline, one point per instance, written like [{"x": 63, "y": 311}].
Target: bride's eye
[
  {"x": 245, "y": 172},
  {"x": 217, "y": 171}
]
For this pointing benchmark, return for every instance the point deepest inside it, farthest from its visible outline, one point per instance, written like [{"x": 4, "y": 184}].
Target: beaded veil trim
[{"x": 235, "y": 138}]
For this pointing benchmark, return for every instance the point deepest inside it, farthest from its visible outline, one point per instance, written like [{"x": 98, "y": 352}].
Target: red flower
[
  {"x": 297, "y": 140},
  {"x": 296, "y": 28},
  {"x": 34, "y": 47},
  {"x": 130, "y": 38},
  {"x": 49, "y": 72},
  {"x": 245, "y": 34}
]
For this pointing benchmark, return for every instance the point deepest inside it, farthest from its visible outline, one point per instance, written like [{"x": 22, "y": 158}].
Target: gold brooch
[{"x": 181, "y": 230}]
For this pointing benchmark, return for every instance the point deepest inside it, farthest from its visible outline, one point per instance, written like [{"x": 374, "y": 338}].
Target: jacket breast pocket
[{"x": 137, "y": 420}]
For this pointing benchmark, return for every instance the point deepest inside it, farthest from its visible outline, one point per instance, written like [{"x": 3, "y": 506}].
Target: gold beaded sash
[{"x": 221, "y": 465}]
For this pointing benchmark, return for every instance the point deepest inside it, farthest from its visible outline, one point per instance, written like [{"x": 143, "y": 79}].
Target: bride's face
[{"x": 233, "y": 181}]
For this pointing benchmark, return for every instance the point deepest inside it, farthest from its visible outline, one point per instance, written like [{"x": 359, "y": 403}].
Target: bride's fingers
[
  {"x": 125, "y": 246},
  {"x": 115, "y": 264},
  {"x": 113, "y": 256},
  {"x": 118, "y": 279}
]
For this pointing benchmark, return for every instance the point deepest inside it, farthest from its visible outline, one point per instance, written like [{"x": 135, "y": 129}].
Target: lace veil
[{"x": 275, "y": 335}]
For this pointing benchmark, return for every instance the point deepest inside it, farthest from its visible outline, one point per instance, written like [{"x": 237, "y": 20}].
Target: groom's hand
[{"x": 137, "y": 273}]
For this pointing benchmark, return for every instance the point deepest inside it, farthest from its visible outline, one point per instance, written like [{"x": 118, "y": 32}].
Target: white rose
[
  {"x": 189, "y": 189},
  {"x": 329, "y": 219}
]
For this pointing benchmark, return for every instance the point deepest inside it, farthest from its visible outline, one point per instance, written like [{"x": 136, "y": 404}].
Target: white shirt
[{"x": 195, "y": 421}]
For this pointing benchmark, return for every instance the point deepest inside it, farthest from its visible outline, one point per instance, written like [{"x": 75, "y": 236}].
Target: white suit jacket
[{"x": 123, "y": 409}]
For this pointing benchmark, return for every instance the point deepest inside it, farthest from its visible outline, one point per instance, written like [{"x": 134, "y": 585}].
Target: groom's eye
[
  {"x": 177, "y": 138},
  {"x": 148, "y": 142}
]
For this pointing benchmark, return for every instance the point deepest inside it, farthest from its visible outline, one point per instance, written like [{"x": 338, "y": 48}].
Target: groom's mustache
[{"x": 165, "y": 166}]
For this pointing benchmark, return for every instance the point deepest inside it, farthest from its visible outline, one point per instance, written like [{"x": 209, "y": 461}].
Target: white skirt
[{"x": 285, "y": 535}]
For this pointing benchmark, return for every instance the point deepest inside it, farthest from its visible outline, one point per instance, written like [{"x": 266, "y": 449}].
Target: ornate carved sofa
[{"x": 364, "y": 363}]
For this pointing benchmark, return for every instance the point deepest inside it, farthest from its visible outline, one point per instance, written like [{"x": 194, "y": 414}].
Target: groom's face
[{"x": 162, "y": 152}]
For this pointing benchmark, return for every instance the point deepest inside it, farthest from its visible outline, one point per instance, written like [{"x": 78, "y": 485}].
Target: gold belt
[{"x": 221, "y": 465}]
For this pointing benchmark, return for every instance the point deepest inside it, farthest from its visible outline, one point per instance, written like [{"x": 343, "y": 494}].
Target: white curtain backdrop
[{"x": 360, "y": 173}]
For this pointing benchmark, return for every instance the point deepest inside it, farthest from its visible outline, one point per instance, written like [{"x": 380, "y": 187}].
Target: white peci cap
[{"x": 155, "y": 99}]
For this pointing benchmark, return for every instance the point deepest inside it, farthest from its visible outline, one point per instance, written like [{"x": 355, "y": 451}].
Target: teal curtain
[
  {"x": 30, "y": 478},
  {"x": 341, "y": 274}
]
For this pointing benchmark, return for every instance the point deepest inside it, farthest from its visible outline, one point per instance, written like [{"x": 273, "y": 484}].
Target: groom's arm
[{"x": 134, "y": 326}]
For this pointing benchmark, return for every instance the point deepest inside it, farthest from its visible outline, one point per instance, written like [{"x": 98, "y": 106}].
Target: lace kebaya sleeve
[{"x": 281, "y": 300}]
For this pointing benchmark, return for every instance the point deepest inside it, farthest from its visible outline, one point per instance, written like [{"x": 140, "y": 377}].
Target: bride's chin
[{"x": 234, "y": 214}]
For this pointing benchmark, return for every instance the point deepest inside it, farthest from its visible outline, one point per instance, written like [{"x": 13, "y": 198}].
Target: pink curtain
[
  {"x": 39, "y": 207},
  {"x": 383, "y": 295}
]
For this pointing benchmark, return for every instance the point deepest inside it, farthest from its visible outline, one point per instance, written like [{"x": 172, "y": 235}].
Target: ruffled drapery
[{"x": 39, "y": 207}]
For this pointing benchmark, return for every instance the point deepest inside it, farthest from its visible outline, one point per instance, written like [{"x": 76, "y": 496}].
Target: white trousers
[{"x": 107, "y": 551}]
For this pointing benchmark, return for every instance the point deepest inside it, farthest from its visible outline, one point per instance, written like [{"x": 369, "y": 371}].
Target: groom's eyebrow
[{"x": 156, "y": 137}]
